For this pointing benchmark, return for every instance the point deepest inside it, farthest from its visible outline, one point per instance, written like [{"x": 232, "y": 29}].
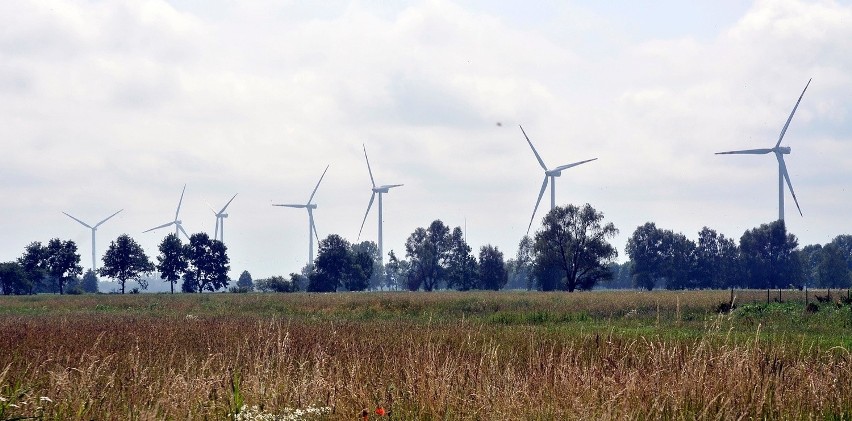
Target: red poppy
[{"x": 381, "y": 411}]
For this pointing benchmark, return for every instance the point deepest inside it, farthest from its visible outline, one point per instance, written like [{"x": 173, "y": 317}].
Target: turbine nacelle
[
  {"x": 385, "y": 188},
  {"x": 783, "y": 150}
]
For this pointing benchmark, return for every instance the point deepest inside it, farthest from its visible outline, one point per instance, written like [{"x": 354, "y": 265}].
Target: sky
[{"x": 108, "y": 105}]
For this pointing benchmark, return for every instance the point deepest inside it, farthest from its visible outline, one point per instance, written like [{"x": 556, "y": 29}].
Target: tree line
[{"x": 571, "y": 251}]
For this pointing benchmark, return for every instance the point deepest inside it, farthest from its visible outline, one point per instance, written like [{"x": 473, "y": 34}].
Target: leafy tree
[
  {"x": 125, "y": 260},
  {"x": 207, "y": 264},
  {"x": 622, "y": 277},
  {"x": 461, "y": 270},
  {"x": 13, "y": 279},
  {"x": 576, "y": 239},
  {"x": 427, "y": 250},
  {"x": 844, "y": 244},
  {"x": 245, "y": 281},
  {"x": 172, "y": 262},
  {"x": 300, "y": 281},
  {"x": 647, "y": 250},
  {"x": 523, "y": 268},
  {"x": 62, "y": 262},
  {"x": 33, "y": 264},
  {"x": 361, "y": 268},
  {"x": 277, "y": 284},
  {"x": 332, "y": 266},
  {"x": 811, "y": 257},
  {"x": 492, "y": 268},
  {"x": 89, "y": 283},
  {"x": 768, "y": 256},
  {"x": 375, "y": 273},
  {"x": 832, "y": 269},
  {"x": 716, "y": 260},
  {"x": 680, "y": 261},
  {"x": 396, "y": 272}
]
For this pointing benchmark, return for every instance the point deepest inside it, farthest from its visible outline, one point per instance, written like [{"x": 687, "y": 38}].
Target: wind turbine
[
  {"x": 219, "y": 234},
  {"x": 380, "y": 190},
  {"x": 176, "y": 222},
  {"x": 779, "y": 151},
  {"x": 548, "y": 175},
  {"x": 312, "y": 228},
  {"x": 94, "y": 229}
]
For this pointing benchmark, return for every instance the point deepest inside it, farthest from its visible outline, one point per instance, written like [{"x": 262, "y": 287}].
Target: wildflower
[
  {"x": 380, "y": 411},
  {"x": 45, "y": 399},
  {"x": 2, "y": 399}
]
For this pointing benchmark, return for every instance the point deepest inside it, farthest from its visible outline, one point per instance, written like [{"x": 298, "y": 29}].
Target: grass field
[{"x": 445, "y": 355}]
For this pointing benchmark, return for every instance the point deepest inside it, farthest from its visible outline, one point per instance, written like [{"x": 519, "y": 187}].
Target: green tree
[
  {"x": 768, "y": 256},
  {"x": 376, "y": 276},
  {"x": 461, "y": 270},
  {"x": 716, "y": 260},
  {"x": 245, "y": 282},
  {"x": 207, "y": 264},
  {"x": 811, "y": 256},
  {"x": 89, "y": 283},
  {"x": 33, "y": 264},
  {"x": 680, "y": 261},
  {"x": 13, "y": 279},
  {"x": 832, "y": 269},
  {"x": 427, "y": 250},
  {"x": 647, "y": 248},
  {"x": 277, "y": 284},
  {"x": 361, "y": 267},
  {"x": 125, "y": 260},
  {"x": 332, "y": 266},
  {"x": 576, "y": 239},
  {"x": 523, "y": 265},
  {"x": 492, "y": 268},
  {"x": 396, "y": 272},
  {"x": 62, "y": 262},
  {"x": 172, "y": 262}
]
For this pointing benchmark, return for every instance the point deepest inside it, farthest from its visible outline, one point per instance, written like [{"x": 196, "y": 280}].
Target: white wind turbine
[
  {"x": 219, "y": 233},
  {"x": 312, "y": 228},
  {"x": 94, "y": 229},
  {"x": 549, "y": 175},
  {"x": 779, "y": 151},
  {"x": 177, "y": 222},
  {"x": 380, "y": 190}
]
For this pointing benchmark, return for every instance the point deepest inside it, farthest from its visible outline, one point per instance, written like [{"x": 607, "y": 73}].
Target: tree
[
  {"x": 811, "y": 256},
  {"x": 172, "y": 263},
  {"x": 461, "y": 270},
  {"x": 332, "y": 266},
  {"x": 207, "y": 264},
  {"x": 361, "y": 269},
  {"x": 125, "y": 260},
  {"x": 360, "y": 252},
  {"x": 716, "y": 260},
  {"x": 277, "y": 284},
  {"x": 647, "y": 250},
  {"x": 844, "y": 244},
  {"x": 832, "y": 269},
  {"x": 245, "y": 282},
  {"x": 13, "y": 279},
  {"x": 427, "y": 250},
  {"x": 492, "y": 268},
  {"x": 576, "y": 239},
  {"x": 89, "y": 283},
  {"x": 768, "y": 256},
  {"x": 62, "y": 262},
  {"x": 396, "y": 272},
  {"x": 32, "y": 262},
  {"x": 523, "y": 267},
  {"x": 680, "y": 261}
]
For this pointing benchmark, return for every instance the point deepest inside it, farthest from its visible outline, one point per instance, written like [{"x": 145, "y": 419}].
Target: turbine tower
[
  {"x": 219, "y": 233},
  {"x": 380, "y": 190},
  {"x": 94, "y": 229},
  {"x": 549, "y": 175},
  {"x": 312, "y": 228},
  {"x": 779, "y": 152},
  {"x": 177, "y": 222}
]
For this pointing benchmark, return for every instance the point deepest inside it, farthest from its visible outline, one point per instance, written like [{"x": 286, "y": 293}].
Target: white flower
[{"x": 45, "y": 399}]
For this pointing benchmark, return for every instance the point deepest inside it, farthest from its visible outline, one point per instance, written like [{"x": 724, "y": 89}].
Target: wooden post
[
  {"x": 767, "y": 295},
  {"x": 779, "y": 295},
  {"x": 806, "y": 295}
]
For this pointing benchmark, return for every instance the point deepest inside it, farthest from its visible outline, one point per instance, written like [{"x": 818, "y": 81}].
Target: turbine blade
[
  {"x": 537, "y": 156},
  {"x": 229, "y": 202},
  {"x": 318, "y": 183},
  {"x": 747, "y": 151},
  {"x": 107, "y": 218},
  {"x": 180, "y": 202},
  {"x": 291, "y": 206},
  {"x": 565, "y": 167},
  {"x": 84, "y": 224},
  {"x": 161, "y": 226},
  {"x": 540, "y": 194},
  {"x": 183, "y": 231},
  {"x": 369, "y": 205},
  {"x": 314, "y": 227},
  {"x": 211, "y": 209},
  {"x": 372, "y": 180},
  {"x": 787, "y": 179},
  {"x": 390, "y": 186},
  {"x": 784, "y": 130}
]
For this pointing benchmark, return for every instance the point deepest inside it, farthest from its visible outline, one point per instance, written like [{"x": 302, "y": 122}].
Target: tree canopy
[{"x": 125, "y": 260}]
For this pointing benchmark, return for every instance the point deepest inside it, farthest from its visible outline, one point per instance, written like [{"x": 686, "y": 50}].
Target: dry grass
[{"x": 179, "y": 360}]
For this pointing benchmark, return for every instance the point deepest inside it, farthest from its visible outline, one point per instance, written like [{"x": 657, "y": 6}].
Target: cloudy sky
[{"x": 108, "y": 105}]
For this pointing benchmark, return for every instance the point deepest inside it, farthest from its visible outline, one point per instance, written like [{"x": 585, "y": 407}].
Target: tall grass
[{"x": 422, "y": 356}]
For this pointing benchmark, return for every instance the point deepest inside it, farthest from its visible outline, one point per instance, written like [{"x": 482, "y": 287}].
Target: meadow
[{"x": 442, "y": 355}]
